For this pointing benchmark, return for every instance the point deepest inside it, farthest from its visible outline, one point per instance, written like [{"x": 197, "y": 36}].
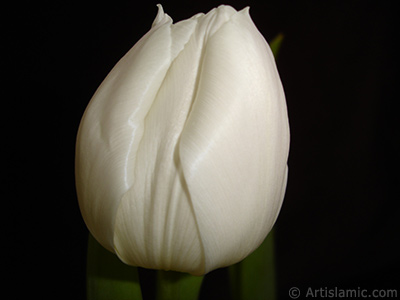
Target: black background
[{"x": 338, "y": 226}]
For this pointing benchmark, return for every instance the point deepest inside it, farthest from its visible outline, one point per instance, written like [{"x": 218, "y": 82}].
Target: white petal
[
  {"x": 235, "y": 143},
  {"x": 156, "y": 226},
  {"x": 112, "y": 127}
]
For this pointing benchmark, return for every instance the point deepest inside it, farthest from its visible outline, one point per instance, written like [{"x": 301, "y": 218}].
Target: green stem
[
  {"x": 109, "y": 278},
  {"x": 254, "y": 277},
  {"x": 177, "y": 286}
]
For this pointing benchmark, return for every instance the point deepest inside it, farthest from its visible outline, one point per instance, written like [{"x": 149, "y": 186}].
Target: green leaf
[
  {"x": 108, "y": 278},
  {"x": 276, "y": 43},
  {"x": 177, "y": 286},
  {"x": 254, "y": 277}
]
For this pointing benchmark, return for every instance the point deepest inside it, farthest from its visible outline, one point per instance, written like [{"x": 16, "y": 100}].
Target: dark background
[{"x": 338, "y": 226}]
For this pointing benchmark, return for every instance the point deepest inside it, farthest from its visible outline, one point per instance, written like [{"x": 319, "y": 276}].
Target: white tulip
[{"x": 181, "y": 155}]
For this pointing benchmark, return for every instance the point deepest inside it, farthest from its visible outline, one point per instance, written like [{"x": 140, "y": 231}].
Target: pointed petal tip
[
  {"x": 161, "y": 17},
  {"x": 246, "y": 10},
  {"x": 160, "y": 8}
]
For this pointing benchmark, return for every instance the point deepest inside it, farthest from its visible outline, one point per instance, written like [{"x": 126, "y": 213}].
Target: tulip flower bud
[{"x": 181, "y": 155}]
